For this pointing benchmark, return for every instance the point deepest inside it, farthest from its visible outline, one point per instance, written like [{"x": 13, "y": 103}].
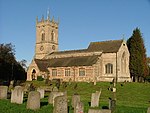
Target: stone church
[{"x": 100, "y": 61}]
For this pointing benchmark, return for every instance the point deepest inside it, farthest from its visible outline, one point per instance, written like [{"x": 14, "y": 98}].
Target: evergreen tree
[
  {"x": 148, "y": 63},
  {"x": 138, "y": 65}
]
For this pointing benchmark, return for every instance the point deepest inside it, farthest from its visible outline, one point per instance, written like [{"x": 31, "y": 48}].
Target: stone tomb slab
[
  {"x": 42, "y": 92},
  {"x": 95, "y": 99},
  {"x": 55, "y": 89},
  {"x": 33, "y": 101},
  {"x": 79, "y": 108},
  {"x": 148, "y": 110},
  {"x": 3, "y": 92},
  {"x": 53, "y": 95},
  {"x": 99, "y": 111},
  {"x": 75, "y": 100},
  {"x": 60, "y": 104},
  {"x": 17, "y": 95}
]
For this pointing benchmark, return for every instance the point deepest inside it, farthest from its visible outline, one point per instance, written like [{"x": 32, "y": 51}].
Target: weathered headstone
[
  {"x": 42, "y": 92},
  {"x": 3, "y": 92},
  {"x": 11, "y": 86},
  {"x": 33, "y": 101},
  {"x": 99, "y": 111},
  {"x": 95, "y": 99},
  {"x": 75, "y": 100},
  {"x": 148, "y": 110},
  {"x": 47, "y": 88},
  {"x": 112, "y": 105},
  {"x": 60, "y": 105},
  {"x": 53, "y": 95},
  {"x": 55, "y": 89},
  {"x": 79, "y": 108},
  {"x": 17, "y": 95},
  {"x": 32, "y": 87},
  {"x": 26, "y": 87}
]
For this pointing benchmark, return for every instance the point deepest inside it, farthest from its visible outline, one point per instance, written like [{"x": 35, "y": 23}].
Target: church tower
[{"x": 46, "y": 37}]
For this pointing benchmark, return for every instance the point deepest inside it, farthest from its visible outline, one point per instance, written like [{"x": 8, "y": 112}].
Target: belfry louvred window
[{"x": 43, "y": 37}]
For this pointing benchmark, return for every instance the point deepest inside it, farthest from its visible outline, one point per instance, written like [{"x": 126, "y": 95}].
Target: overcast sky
[{"x": 81, "y": 22}]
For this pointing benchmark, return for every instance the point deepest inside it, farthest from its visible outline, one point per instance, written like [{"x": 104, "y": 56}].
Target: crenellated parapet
[{"x": 51, "y": 22}]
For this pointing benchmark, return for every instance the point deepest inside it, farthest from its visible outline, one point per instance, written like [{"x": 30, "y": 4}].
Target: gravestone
[
  {"x": 11, "y": 86},
  {"x": 47, "y": 88},
  {"x": 55, "y": 89},
  {"x": 26, "y": 87},
  {"x": 3, "y": 92},
  {"x": 42, "y": 92},
  {"x": 112, "y": 105},
  {"x": 99, "y": 111},
  {"x": 148, "y": 110},
  {"x": 17, "y": 95},
  {"x": 60, "y": 104},
  {"x": 33, "y": 101},
  {"x": 32, "y": 87},
  {"x": 50, "y": 88},
  {"x": 75, "y": 100},
  {"x": 79, "y": 108},
  {"x": 95, "y": 99},
  {"x": 53, "y": 95}
]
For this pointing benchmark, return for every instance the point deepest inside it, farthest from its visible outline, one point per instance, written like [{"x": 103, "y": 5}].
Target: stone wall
[
  {"x": 74, "y": 73},
  {"x": 105, "y": 58},
  {"x": 123, "y": 52}
]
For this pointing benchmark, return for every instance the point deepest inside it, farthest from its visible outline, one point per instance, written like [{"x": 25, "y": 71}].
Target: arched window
[
  {"x": 109, "y": 68},
  {"x": 123, "y": 63},
  {"x": 52, "y": 36},
  {"x": 43, "y": 37}
]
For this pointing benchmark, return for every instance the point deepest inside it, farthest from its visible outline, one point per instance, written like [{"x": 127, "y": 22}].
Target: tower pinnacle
[
  {"x": 53, "y": 19},
  {"x": 42, "y": 18}
]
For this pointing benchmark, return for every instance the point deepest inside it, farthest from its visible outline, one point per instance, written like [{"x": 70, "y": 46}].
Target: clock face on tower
[{"x": 41, "y": 48}]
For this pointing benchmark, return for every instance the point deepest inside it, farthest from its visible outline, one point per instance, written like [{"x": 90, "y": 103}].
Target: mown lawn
[{"x": 131, "y": 98}]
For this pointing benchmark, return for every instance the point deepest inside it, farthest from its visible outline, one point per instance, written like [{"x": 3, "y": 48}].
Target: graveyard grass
[{"x": 131, "y": 98}]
